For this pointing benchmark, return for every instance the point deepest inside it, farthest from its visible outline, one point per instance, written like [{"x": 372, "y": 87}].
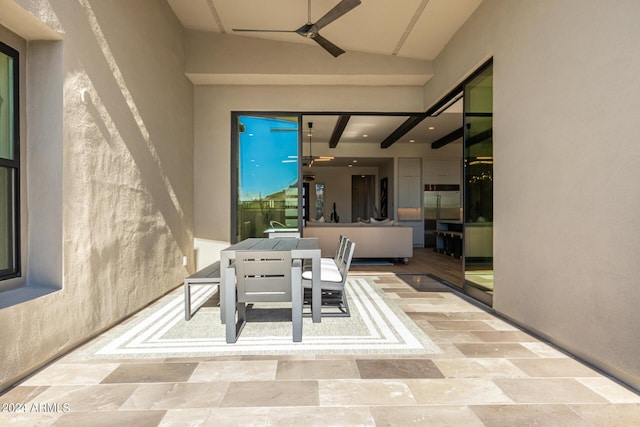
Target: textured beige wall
[
  {"x": 566, "y": 229},
  {"x": 126, "y": 192}
]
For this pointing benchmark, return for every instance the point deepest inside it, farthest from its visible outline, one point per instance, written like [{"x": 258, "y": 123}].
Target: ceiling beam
[
  {"x": 480, "y": 137},
  {"x": 456, "y": 134},
  {"x": 402, "y": 130},
  {"x": 338, "y": 130}
]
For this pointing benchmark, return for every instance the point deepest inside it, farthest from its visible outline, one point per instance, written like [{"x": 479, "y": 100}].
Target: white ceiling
[
  {"x": 407, "y": 28},
  {"x": 378, "y": 127},
  {"x": 417, "y": 29}
]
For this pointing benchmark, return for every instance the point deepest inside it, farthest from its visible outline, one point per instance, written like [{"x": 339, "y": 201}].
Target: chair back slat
[
  {"x": 345, "y": 261},
  {"x": 263, "y": 276},
  {"x": 340, "y": 250}
]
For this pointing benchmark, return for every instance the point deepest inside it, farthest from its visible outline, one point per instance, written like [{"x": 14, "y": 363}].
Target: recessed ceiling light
[
  {"x": 350, "y": 166},
  {"x": 412, "y": 140},
  {"x": 431, "y": 128},
  {"x": 355, "y": 161},
  {"x": 365, "y": 135}
]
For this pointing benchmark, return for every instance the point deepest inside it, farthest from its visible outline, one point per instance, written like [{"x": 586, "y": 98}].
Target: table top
[{"x": 284, "y": 244}]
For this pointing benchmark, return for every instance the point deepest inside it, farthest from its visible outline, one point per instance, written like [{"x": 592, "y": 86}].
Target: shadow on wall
[{"x": 117, "y": 98}]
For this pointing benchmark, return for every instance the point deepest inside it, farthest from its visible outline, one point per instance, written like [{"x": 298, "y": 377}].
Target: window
[
  {"x": 9, "y": 164},
  {"x": 266, "y": 174}
]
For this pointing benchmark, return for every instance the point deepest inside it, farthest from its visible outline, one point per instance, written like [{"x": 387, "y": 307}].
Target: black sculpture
[{"x": 334, "y": 214}]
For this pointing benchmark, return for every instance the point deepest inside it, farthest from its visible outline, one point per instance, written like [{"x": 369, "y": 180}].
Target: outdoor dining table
[{"x": 300, "y": 248}]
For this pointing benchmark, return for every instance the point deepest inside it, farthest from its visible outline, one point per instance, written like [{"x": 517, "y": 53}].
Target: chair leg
[
  {"x": 335, "y": 302},
  {"x": 345, "y": 304}
]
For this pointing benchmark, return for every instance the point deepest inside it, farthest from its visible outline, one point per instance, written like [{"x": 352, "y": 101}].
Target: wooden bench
[{"x": 210, "y": 275}]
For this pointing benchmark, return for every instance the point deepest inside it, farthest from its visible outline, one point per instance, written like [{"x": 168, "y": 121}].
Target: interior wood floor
[{"x": 424, "y": 261}]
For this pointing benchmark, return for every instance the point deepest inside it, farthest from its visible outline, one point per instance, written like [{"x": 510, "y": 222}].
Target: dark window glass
[{"x": 9, "y": 163}]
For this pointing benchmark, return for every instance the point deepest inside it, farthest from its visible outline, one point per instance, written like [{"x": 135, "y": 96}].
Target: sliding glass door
[
  {"x": 478, "y": 186},
  {"x": 266, "y": 192}
]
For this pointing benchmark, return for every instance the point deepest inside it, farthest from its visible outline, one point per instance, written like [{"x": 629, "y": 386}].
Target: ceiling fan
[
  {"x": 310, "y": 30},
  {"x": 310, "y": 159}
]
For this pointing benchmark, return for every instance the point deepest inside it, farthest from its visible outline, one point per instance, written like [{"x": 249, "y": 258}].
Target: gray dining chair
[
  {"x": 268, "y": 276},
  {"x": 330, "y": 263},
  {"x": 340, "y": 250},
  {"x": 332, "y": 283}
]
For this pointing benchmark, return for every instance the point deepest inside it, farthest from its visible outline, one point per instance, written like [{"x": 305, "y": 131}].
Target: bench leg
[{"x": 187, "y": 300}]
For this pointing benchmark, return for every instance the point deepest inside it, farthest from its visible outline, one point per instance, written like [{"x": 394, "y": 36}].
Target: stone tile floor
[{"x": 489, "y": 374}]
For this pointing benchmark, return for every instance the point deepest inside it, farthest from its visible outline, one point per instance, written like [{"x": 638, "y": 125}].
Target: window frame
[{"x": 13, "y": 202}]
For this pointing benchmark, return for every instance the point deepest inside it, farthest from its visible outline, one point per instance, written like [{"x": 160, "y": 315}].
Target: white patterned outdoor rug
[{"x": 377, "y": 325}]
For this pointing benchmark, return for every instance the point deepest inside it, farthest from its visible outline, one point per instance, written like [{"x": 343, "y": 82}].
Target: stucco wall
[
  {"x": 566, "y": 226},
  {"x": 127, "y": 183}
]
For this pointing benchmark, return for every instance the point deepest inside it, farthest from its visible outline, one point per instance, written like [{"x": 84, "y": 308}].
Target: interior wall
[
  {"x": 387, "y": 171},
  {"x": 125, "y": 193},
  {"x": 213, "y": 107},
  {"x": 566, "y": 218},
  {"x": 337, "y": 189}
]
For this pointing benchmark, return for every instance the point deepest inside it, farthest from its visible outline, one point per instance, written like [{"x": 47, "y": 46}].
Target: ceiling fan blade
[
  {"x": 340, "y": 9},
  {"x": 263, "y": 31},
  {"x": 327, "y": 45}
]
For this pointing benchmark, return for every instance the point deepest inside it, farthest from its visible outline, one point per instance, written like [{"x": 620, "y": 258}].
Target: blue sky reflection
[{"x": 268, "y": 156}]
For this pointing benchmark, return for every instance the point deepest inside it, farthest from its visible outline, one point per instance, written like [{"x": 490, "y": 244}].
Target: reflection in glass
[
  {"x": 9, "y": 165},
  {"x": 267, "y": 193},
  {"x": 6, "y": 106},
  {"x": 319, "y": 201},
  {"x": 478, "y": 194},
  {"x": 6, "y": 220}
]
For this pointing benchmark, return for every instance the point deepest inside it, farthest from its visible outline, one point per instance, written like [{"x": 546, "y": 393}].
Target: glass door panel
[
  {"x": 267, "y": 194},
  {"x": 478, "y": 181}
]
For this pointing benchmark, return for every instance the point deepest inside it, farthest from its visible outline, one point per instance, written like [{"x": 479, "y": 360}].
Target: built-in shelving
[{"x": 449, "y": 237}]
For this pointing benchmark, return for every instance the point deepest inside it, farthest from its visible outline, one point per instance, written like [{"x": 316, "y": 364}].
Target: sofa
[{"x": 373, "y": 240}]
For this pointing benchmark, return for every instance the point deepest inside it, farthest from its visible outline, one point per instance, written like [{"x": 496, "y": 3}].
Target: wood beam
[
  {"x": 338, "y": 130},
  {"x": 402, "y": 130},
  {"x": 456, "y": 134},
  {"x": 482, "y": 136}
]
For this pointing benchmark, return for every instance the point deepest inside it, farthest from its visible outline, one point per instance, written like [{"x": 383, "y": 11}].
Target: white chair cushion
[
  {"x": 324, "y": 263},
  {"x": 326, "y": 275}
]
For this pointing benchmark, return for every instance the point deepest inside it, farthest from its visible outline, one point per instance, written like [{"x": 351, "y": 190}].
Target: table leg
[
  {"x": 296, "y": 299},
  {"x": 229, "y": 304},
  {"x": 316, "y": 291}
]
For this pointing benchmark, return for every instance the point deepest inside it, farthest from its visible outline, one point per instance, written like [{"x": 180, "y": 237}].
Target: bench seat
[{"x": 210, "y": 275}]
